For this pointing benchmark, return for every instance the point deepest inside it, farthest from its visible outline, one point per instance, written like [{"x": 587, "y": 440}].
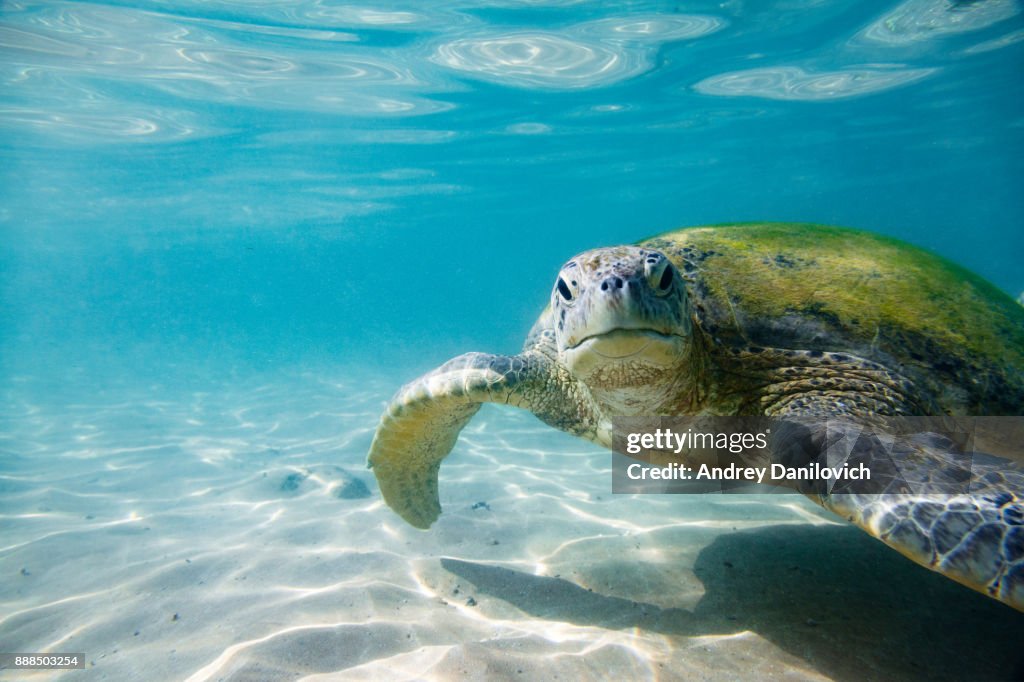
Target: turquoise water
[
  {"x": 286, "y": 182},
  {"x": 231, "y": 230}
]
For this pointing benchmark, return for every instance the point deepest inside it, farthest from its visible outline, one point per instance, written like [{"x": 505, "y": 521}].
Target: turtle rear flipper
[
  {"x": 930, "y": 496},
  {"x": 422, "y": 423}
]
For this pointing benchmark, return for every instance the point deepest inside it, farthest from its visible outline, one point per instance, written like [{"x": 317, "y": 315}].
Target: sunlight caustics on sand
[{"x": 234, "y": 533}]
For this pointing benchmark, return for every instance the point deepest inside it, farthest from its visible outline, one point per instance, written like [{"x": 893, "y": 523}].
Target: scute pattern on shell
[{"x": 833, "y": 290}]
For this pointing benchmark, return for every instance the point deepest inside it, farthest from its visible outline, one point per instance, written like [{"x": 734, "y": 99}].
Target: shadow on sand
[{"x": 831, "y": 595}]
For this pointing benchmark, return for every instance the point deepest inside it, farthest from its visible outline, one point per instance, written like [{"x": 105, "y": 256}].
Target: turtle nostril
[{"x": 612, "y": 283}]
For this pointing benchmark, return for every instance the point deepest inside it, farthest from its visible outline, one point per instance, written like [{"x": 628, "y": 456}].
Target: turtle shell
[{"x": 815, "y": 288}]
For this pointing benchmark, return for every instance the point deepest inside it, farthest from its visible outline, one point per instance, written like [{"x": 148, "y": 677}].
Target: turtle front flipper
[
  {"x": 930, "y": 496},
  {"x": 421, "y": 424}
]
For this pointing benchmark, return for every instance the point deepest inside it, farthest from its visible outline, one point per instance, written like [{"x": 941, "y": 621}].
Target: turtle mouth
[{"x": 619, "y": 344}]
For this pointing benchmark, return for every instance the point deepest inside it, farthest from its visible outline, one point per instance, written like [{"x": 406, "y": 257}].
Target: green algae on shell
[{"x": 813, "y": 287}]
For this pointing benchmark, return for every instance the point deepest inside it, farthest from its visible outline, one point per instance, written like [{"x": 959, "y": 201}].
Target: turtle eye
[
  {"x": 666, "y": 278},
  {"x": 563, "y": 289},
  {"x": 660, "y": 273},
  {"x": 567, "y": 286}
]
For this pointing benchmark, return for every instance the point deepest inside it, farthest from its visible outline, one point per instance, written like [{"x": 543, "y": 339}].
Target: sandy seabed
[{"x": 234, "y": 533}]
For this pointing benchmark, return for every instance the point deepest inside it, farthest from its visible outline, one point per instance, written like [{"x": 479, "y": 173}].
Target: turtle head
[{"x": 622, "y": 325}]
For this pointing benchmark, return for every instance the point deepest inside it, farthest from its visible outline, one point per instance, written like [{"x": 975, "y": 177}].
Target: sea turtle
[{"x": 802, "y": 322}]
